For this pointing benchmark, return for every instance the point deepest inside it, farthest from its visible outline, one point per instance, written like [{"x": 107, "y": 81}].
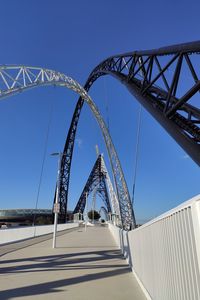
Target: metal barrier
[
  {"x": 21, "y": 233},
  {"x": 165, "y": 253}
]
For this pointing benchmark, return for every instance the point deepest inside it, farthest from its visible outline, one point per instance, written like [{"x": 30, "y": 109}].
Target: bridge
[{"x": 163, "y": 254}]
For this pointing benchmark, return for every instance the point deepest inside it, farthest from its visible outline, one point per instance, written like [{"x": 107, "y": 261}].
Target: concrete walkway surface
[{"x": 85, "y": 265}]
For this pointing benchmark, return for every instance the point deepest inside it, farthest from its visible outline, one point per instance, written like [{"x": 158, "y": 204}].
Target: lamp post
[{"x": 56, "y": 204}]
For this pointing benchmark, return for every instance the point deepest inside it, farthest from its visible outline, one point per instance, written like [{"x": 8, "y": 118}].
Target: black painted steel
[
  {"x": 96, "y": 181},
  {"x": 66, "y": 164},
  {"x": 166, "y": 82},
  {"x": 67, "y": 159}
]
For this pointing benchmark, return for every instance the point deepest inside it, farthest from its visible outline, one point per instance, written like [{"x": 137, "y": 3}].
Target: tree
[
  {"x": 43, "y": 220},
  {"x": 93, "y": 214}
]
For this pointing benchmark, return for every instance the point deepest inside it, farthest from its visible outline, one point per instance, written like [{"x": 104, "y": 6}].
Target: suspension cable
[
  {"x": 136, "y": 152},
  {"x": 43, "y": 160},
  {"x": 106, "y": 98}
]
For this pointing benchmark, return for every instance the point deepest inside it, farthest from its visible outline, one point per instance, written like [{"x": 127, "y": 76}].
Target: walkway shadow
[
  {"x": 56, "y": 286},
  {"x": 106, "y": 253},
  {"x": 69, "y": 261},
  {"x": 103, "y": 263}
]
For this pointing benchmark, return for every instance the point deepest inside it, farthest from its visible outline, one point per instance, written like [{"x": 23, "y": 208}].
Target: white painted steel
[
  {"x": 165, "y": 253},
  {"x": 112, "y": 195},
  {"x": 15, "y": 79},
  {"x": 121, "y": 238},
  {"x": 19, "y": 233}
]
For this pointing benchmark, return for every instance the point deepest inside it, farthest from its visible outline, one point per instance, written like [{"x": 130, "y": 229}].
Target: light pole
[{"x": 56, "y": 204}]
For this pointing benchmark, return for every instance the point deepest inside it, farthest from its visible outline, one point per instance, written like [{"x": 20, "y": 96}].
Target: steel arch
[
  {"x": 15, "y": 79},
  {"x": 155, "y": 78},
  {"x": 104, "y": 211},
  {"x": 144, "y": 74},
  {"x": 99, "y": 182},
  {"x": 96, "y": 182}
]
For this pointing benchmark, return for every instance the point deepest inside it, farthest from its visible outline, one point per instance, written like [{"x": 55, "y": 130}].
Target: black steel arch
[
  {"x": 146, "y": 75},
  {"x": 96, "y": 180}
]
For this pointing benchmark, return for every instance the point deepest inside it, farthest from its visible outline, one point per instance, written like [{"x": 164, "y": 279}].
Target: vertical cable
[
  {"x": 106, "y": 98},
  {"x": 136, "y": 152},
  {"x": 43, "y": 161}
]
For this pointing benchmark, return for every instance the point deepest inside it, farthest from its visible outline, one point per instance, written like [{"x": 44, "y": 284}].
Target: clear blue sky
[{"x": 73, "y": 37}]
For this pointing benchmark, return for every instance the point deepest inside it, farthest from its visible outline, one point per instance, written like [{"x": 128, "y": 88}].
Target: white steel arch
[
  {"x": 112, "y": 195},
  {"x": 15, "y": 79}
]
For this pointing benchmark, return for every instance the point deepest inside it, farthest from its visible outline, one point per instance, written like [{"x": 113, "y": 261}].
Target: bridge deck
[{"x": 85, "y": 265}]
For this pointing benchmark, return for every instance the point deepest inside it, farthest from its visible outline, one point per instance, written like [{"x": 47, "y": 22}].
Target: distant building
[{"x": 27, "y": 217}]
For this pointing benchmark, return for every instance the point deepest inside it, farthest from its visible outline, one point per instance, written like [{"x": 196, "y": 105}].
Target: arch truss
[
  {"x": 104, "y": 210},
  {"x": 166, "y": 82},
  {"x": 99, "y": 182},
  {"x": 15, "y": 79},
  {"x": 96, "y": 182}
]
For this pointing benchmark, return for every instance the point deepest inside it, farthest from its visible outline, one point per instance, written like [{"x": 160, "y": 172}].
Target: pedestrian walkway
[{"x": 85, "y": 265}]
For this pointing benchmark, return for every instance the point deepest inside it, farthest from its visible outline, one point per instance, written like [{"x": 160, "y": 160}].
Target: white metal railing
[
  {"x": 165, "y": 253},
  {"x": 20, "y": 233}
]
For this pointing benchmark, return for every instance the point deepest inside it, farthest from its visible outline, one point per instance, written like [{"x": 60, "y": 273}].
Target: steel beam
[
  {"x": 15, "y": 79},
  {"x": 146, "y": 74},
  {"x": 96, "y": 180}
]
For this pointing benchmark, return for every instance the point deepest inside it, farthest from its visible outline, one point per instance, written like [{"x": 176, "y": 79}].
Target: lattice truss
[
  {"x": 167, "y": 82},
  {"x": 112, "y": 195},
  {"x": 15, "y": 79},
  {"x": 99, "y": 182},
  {"x": 104, "y": 210}
]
